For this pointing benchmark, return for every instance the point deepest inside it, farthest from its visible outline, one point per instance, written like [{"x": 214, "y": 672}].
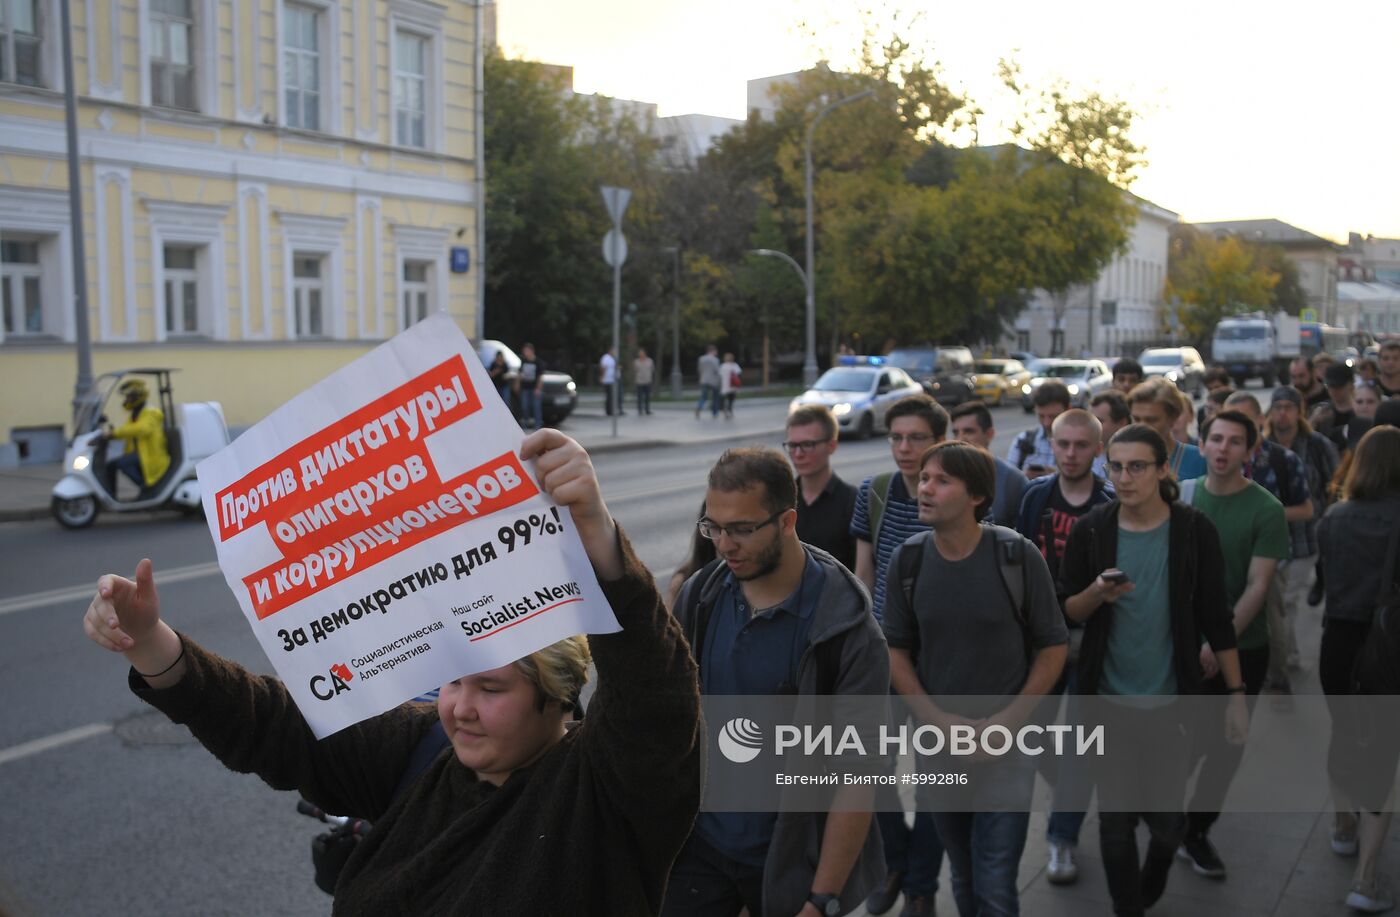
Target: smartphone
[{"x": 1117, "y": 577}]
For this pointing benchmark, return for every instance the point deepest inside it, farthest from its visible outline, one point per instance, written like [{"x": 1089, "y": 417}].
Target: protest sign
[{"x": 383, "y": 537}]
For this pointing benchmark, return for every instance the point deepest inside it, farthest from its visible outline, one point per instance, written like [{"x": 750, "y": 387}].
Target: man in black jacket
[{"x": 1144, "y": 574}]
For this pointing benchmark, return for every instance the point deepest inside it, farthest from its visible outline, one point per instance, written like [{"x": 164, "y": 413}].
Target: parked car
[
  {"x": 997, "y": 378},
  {"x": 1182, "y": 365},
  {"x": 1025, "y": 356},
  {"x": 945, "y": 372},
  {"x": 560, "y": 394},
  {"x": 1085, "y": 378},
  {"x": 859, "y": 396}
]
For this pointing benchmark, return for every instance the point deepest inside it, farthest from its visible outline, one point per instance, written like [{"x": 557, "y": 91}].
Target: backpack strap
[
  {"x": 879, "y": 499},
  {"x": 1011, "y": 563},
  {"x": 909, "y": 563},
  {"x": 695, "y": 613}
]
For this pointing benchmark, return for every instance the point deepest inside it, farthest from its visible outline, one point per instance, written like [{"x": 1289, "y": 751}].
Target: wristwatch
[{"x": 828, "y": 905}]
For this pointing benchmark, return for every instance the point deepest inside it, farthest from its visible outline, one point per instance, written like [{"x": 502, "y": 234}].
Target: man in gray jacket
[{"x": 772, "y": 616}]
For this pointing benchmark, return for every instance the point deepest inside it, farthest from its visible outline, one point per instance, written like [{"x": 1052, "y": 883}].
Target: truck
[{"x": 1256, "y": 345}]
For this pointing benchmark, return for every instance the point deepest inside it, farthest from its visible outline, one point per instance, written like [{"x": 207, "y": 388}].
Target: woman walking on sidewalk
[
  {"x": 730, "y": 378},
  {"x": 1357, "y": 539}
]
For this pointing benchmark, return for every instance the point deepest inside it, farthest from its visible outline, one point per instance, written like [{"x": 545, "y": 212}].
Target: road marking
[
  {"x": 58, "y": 740},
  {"x": 76, "y": 593}
]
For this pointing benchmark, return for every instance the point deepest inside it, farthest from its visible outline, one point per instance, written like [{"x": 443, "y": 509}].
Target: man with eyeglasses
[
  {"x": 772, "y": 616},
  {"x": 1253, "y": 539},
  {"x": 825, "y": 503},
  {"x": 887, "y": 515}
]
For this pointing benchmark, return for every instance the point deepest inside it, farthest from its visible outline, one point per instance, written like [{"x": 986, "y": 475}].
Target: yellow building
[{"x": 270, "y": 188}]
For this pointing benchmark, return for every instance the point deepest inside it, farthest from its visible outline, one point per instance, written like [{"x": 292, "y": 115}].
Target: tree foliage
[
  {"x": 1214, "y": 278},
  {"x": 916, "y": 238}
]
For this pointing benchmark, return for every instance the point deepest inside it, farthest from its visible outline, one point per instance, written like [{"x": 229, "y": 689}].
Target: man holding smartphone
[
  {"x": 1032, "y": 452},
  {"x": 1144, "y": 575}
]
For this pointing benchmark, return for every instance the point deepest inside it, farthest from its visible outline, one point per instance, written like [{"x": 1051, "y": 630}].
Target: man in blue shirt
[
  {"x": 772, "y": 616},
  {"x": 1157, "y": 403}
]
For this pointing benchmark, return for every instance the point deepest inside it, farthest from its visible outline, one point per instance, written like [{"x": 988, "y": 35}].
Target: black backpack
[{"x": 1011, "y": 561}]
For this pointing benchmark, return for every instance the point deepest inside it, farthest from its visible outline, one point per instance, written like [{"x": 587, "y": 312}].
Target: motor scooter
[{"x": 193, "y": 431}]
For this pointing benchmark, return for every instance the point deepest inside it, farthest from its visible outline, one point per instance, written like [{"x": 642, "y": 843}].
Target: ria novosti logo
[{"x": 740, "y": 740}]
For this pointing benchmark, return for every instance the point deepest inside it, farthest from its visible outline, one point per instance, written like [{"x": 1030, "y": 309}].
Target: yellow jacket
[{"x": 146, "y": 435}]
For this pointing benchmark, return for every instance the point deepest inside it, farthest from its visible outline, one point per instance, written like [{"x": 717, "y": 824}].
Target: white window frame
[
  {"x": 13, "y": 276},
  {"x": 315, "y": 235},
  {"x": 417, "y": 243},
  {"x": 200, "y": 226},
  {"x": 46, "y": 30},
  {"x": 414, "y": 288},
  {"x": 303, "y": 287},
  {"x": 31, "y": 213},
  {"x": 328, "y": 40},
  {"x": 423, "y": 20},
  {"x": 183, "y": 277},
  {"x": 204, "y": 57}
]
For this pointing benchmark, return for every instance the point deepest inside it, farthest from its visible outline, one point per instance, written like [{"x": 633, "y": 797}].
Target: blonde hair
[
  {"x": 559, "y": 671},
  {"x": 1159, "y": 391}
]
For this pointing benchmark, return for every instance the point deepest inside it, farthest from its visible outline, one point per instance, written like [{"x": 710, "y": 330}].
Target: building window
[
  {"x": 308, "y": 293},
  {"x": 410, "y": 89},
  {"x": 172, "y": 50},
  {"x": 21, "y": 282},
  {"x": 301, "y": 66},
  {"x": 417, "y": 291},
  {"x": 19, "y": 42},
  {"x": 181, "y": 289}
]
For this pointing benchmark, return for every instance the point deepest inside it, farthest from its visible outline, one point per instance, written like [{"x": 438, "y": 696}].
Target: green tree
[{"x": 1213, "y": 279}]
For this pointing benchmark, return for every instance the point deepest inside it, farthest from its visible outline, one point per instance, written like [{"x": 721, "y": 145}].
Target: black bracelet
[
  {"x": 1237, "y": 689},
  {"x": 167, "y": 668}
]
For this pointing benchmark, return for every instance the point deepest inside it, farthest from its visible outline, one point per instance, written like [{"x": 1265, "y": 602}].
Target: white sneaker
[
  {"x": 1061, "y": 870},
  {"x": 1369, "y": 898},
  {"x": 1344, "y": 837}
]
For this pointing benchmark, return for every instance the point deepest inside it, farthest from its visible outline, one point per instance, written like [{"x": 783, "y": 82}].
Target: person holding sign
[{"x": 527, "y": 813}]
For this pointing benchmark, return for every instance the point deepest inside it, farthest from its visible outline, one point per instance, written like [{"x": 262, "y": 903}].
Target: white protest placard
[{"x": 383, "y": 537}]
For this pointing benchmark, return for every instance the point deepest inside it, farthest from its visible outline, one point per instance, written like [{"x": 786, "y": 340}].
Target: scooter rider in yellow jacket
[{"x": 146, "y": 456}]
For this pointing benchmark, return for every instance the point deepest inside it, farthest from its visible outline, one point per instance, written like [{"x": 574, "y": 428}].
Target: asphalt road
[{"x": 109, "y": 809}]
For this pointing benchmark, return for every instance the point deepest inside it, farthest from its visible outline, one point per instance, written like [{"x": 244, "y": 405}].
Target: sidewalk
[{"x": 24, "y": 491}]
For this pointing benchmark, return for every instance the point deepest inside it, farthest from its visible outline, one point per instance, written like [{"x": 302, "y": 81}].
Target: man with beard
[{"x": 773, "y": 616}]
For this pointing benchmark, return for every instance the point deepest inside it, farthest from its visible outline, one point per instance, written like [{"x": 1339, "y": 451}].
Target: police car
[{"x": 859, "y": 393}]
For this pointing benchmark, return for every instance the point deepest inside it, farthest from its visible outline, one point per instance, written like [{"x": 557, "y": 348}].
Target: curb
[
  {"x": 31, "y": 514},
  {"x": 23, "y": 515}
]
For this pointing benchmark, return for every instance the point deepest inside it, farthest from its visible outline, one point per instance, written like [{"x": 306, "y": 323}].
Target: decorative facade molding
[
  {"x": 256, "y": 193},
  {"x": 104, "y": 177},
  {"x": 368, "y": 211}
]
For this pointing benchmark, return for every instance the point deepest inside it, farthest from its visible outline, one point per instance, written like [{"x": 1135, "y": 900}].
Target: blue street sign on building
[{"x": 461, "y": 260}]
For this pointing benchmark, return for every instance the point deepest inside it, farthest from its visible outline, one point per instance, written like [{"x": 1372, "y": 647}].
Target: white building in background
[
  {"x": 1119, "y": 313},
  {"x": 686, "y": 138},
  {"x": 1373, "y": 306}
]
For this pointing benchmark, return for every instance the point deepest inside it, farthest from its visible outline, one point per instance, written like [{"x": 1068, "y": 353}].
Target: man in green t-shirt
[{"x": 1253, "y": 539}]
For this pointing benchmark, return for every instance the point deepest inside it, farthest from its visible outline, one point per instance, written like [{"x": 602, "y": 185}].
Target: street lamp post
[
  {"x": 675, "y": 251},
  {"x": 805, "y": 278},
  {"x": 809, "y": 362}
]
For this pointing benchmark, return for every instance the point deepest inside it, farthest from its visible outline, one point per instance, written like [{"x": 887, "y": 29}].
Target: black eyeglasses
[
  {"x": 738, "y": 531},
  {"x": 1132, "y": 468},
  {"x": 806, "y": 445}
]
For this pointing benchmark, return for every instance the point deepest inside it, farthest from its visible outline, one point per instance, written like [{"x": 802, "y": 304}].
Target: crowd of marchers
[{"x": 1111, "y": 553}]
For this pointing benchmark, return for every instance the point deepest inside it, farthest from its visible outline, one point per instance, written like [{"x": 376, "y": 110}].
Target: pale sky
[{"x": 1249, "y": 109}]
